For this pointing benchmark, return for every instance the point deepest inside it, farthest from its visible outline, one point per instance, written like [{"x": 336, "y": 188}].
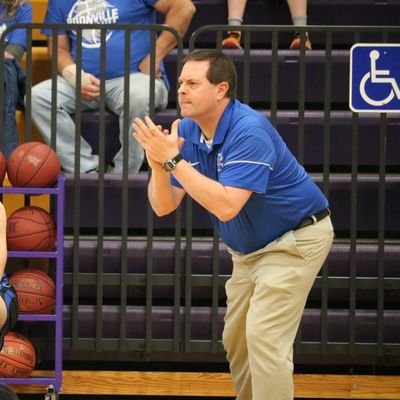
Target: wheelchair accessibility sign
[{"x": 375, "y": 78}]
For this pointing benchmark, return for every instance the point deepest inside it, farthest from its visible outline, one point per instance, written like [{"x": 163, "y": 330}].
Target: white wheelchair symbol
[{"x": 378, "y": 77}]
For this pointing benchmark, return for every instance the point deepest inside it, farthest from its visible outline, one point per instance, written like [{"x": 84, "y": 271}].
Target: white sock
[
  {"x": 299, "y": 20},
  {"x": 235, "y": 21}
]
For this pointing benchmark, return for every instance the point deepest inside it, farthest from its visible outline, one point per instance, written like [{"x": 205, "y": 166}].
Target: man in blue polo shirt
[{"x": 269, "y": 212}]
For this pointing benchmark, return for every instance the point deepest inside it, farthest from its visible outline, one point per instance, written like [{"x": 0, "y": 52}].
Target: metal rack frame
[{"x": 54, "y": 381}]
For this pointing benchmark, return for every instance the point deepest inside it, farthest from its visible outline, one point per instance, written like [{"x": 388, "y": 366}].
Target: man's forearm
[
  {"x": 179, "y": 19},
  {"x": 161, "y": 193}
]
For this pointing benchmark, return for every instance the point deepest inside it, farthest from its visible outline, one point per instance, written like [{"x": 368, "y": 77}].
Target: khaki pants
[{"x": 266, "y": 295}]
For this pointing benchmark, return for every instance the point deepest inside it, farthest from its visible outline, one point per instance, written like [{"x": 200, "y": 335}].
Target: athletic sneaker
[
  {"x": 295, "y": 45},
  {"x": 9, "y": 296},
  {"x": 232, "y": 41}
]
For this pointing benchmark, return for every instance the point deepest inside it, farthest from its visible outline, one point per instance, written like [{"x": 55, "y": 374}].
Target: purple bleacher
[
  {"x": 339, "y": 196},
  {"x": 100, "y": 273},
  {"x": 341, "y": 136},
  {"x": 320, "y": 12},
  {"x": 90, "y": 126},
  {"x": 288, "y": 75},
  {"x": 163, "y": 258},
  {"x": 137, "y": 197},
  {"x": 162, "y": 324},
  {"x": 339, "y": 123},
  {"x": 339, "y": 265}
]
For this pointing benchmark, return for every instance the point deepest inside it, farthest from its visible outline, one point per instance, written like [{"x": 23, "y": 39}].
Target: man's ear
[{"x": 223, "y": 88}]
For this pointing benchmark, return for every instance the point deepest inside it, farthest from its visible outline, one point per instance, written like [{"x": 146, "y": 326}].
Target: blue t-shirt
[
  {"x": 247, "y": 152},
  {"x": 138, "y": 12},
  {"x": 23, "y": 15}
]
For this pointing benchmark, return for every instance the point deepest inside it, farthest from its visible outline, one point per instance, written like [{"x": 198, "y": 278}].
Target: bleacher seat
[
  {"x": 163, "y": 255},
  {"x": 162, "y": 324},
  {"x": 339, "y": 196},
  {"x": 319, "y": 12},
  {"x": 97, "y": 276}
]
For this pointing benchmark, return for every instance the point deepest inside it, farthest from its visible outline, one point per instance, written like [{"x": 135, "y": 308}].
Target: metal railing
[{"x": 108, "y": 219}]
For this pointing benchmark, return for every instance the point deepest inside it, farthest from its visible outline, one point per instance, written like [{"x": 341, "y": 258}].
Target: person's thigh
[
  {"x": 139, "y": 95},
  {"x": 283, "y": 277},
  {"x": 65, "y": 96}
]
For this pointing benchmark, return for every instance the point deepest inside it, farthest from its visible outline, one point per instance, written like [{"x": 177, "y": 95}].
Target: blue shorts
[{"x": 9, "y": 296}]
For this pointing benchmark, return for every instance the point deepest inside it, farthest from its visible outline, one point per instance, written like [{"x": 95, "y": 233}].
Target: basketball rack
[{"x": 53, "y": 381}]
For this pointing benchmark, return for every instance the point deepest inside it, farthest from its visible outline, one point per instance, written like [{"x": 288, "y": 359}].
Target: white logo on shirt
[
  {"x": 220, "y": 162},
  {"x": 2, "y": 28},
  {"x": 93, "y": 12}
]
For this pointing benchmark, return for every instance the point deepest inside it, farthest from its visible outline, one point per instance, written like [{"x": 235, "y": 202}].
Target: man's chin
[{"x": 185, "y": 112}]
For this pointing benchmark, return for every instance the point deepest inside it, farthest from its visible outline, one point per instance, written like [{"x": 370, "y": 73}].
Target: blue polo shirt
[{"x": 247, "y": 152}]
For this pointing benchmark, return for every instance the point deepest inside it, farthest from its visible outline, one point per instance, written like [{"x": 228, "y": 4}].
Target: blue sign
[{"x": 375, "y": 78}]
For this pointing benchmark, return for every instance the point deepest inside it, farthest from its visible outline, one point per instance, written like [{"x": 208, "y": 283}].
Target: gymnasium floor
[{"x": 65, "y": 397}]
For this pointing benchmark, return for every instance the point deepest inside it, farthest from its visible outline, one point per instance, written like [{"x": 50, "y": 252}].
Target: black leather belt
[{"x": 313, "y": 219}]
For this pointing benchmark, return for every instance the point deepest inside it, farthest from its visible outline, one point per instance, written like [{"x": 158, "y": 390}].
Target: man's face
[{"x": 196, "y": 95}]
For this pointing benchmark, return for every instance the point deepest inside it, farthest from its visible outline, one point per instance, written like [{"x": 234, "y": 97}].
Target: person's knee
[
  {"x": 231, "y": 337},
  {"x": 138, "y": 106},
  {"x": 261, "y": 340},
  {"x": 40, "y": 94},
  {"x": 8, "y": 308},
  {"x": 3, "y": 313}
]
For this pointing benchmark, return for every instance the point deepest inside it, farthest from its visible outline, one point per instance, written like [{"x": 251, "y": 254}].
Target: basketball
[
  {"x": 17, "y": 357},
  {"x": 30, "y": 228},
  {"x": 35, "y": 289},
  {"x": 33, "y": 164},
  {"x": 3, "y": 168}
]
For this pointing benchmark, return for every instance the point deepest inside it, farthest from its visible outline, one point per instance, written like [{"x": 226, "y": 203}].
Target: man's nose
[{"x": 181, "y": 88}]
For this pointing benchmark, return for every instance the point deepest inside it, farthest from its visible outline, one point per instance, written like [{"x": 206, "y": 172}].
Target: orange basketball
[
  {"x": 31, "y": 228},
  {"x": 17, "y": 357},
  {"x": 3, "y": 168},
  {"x": 35, "y": 289},
  {"x": 33, "y": 164}
]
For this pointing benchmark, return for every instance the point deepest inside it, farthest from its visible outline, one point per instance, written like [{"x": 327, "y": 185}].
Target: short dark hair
[{"x": 221, "y": 68}]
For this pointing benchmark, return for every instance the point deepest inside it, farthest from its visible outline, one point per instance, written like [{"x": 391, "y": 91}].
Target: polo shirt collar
[
  {"x": 224, "y": 123},
  {"x": 222, "y": 127}
]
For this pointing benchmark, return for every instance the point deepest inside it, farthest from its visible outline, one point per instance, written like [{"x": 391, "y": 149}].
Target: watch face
[{"x": 170, "y": 165}]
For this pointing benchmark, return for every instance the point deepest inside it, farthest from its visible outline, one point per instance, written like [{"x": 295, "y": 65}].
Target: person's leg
[
  {"x": 235, "y": 17},
  {"x": 41, "y": 116},
  {"x": 283, "y": 275},
  {"x": 239, "y": 289},
  {"x": 298, "y": 12},
  {"x": 139, "y": 100},
  {"x": 10, "y": 136},
  {"x": 8, "y": 308}
]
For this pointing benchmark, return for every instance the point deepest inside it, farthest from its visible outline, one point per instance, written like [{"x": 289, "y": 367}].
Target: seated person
[
  {"x": 298, "y": 12},
  {"x": 178, "y": 14},
  {"x": 13, "y": 12}
]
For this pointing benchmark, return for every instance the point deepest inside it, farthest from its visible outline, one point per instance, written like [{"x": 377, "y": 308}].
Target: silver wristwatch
[{"x": 170, "y": 165}]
